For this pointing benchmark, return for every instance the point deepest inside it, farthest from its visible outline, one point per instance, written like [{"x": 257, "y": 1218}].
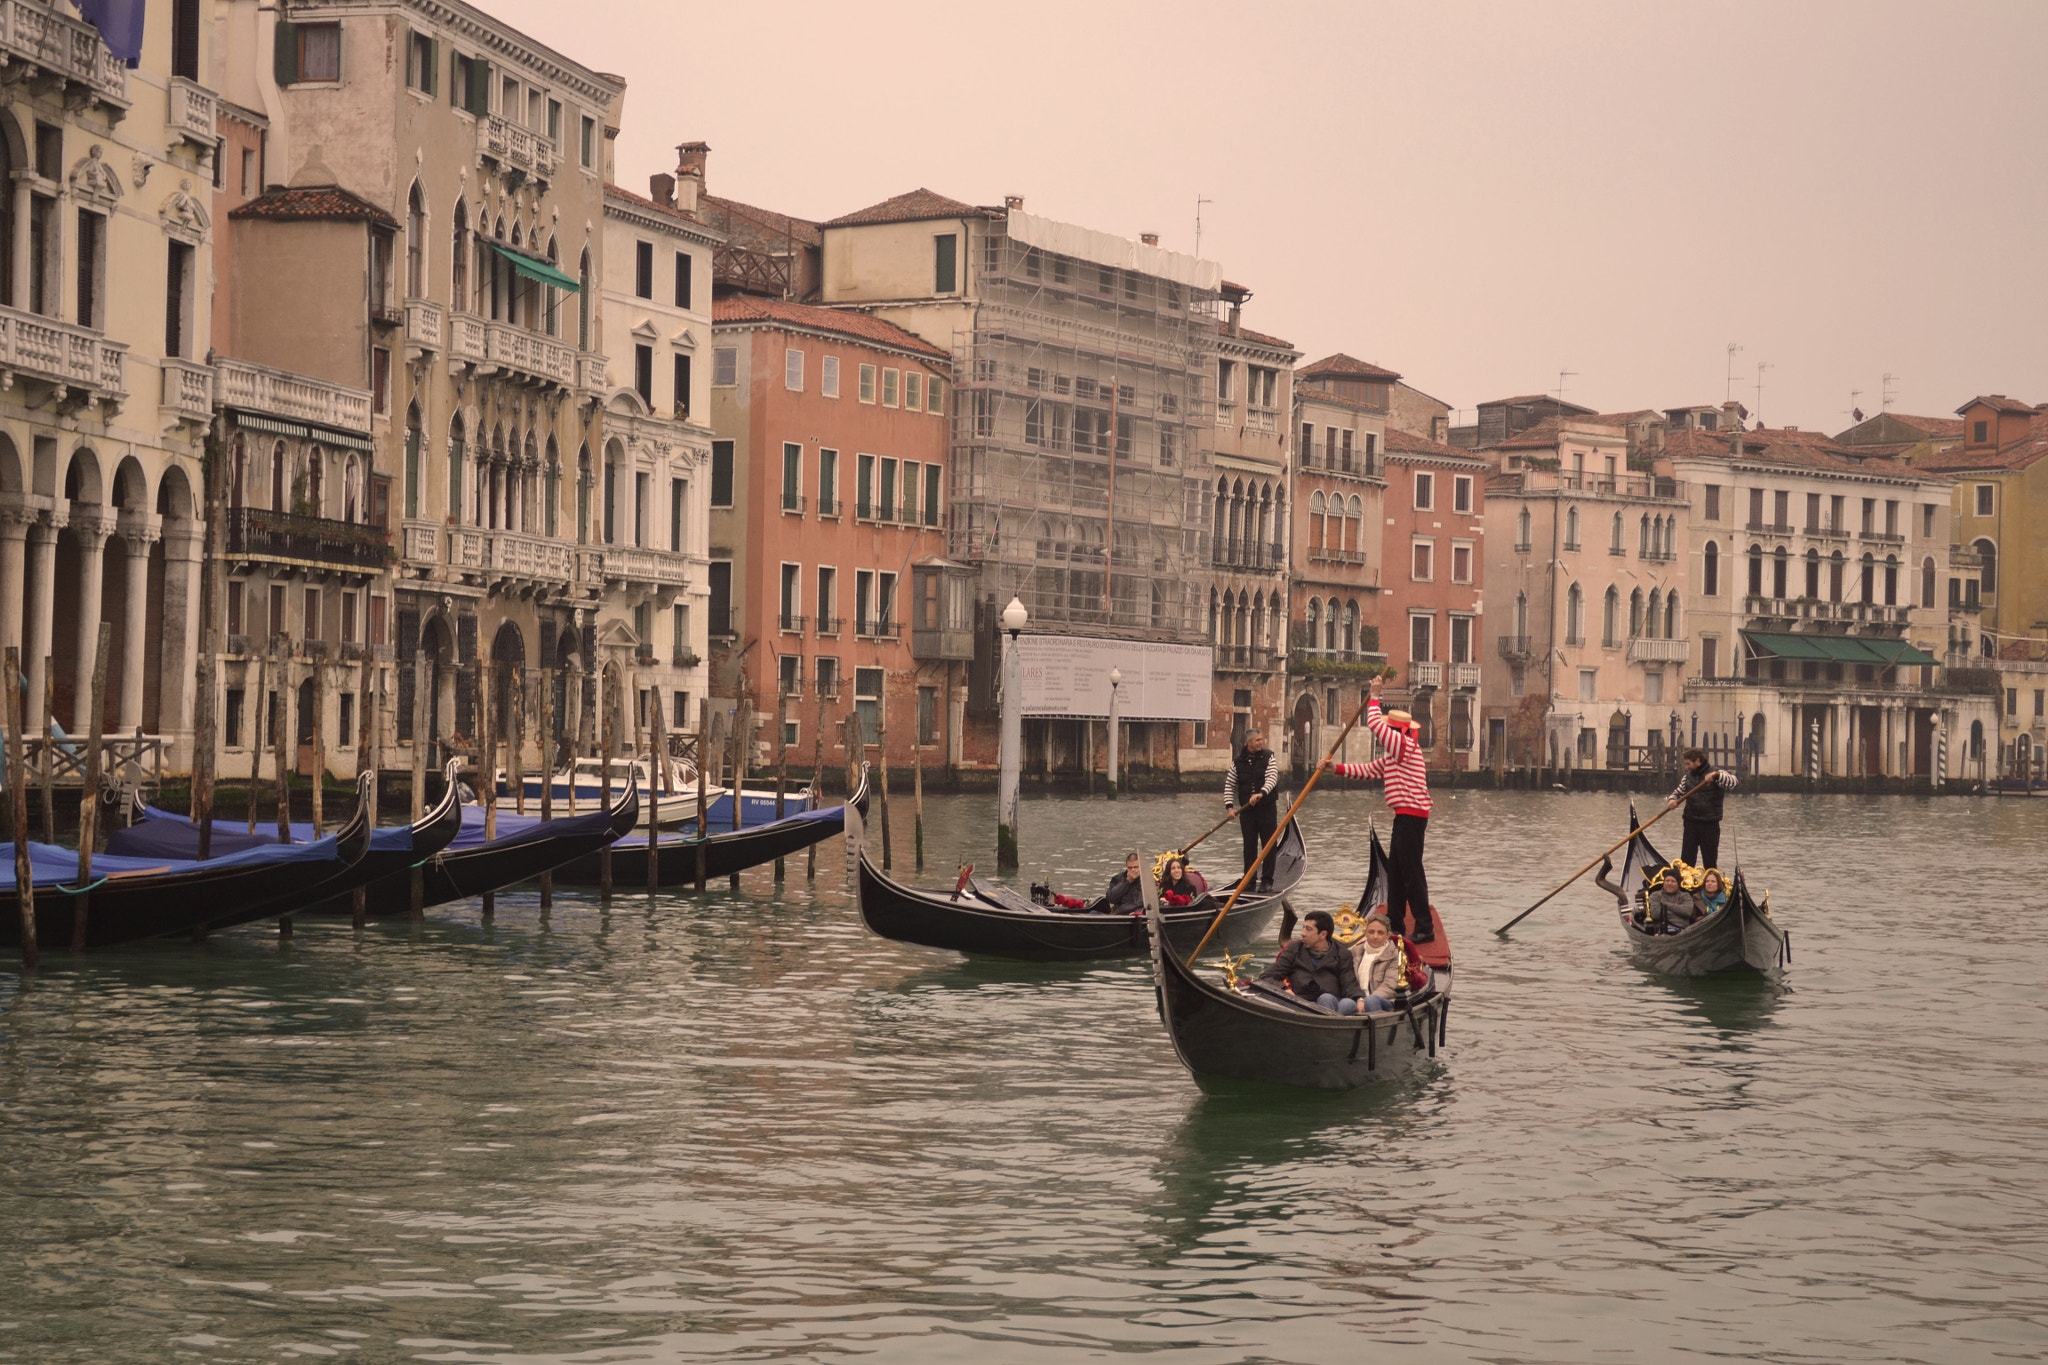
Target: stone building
[{"x": 105, "y": 396}]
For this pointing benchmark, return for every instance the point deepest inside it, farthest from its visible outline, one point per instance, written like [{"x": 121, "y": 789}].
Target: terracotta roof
[
  {"x": 1408, "y": 443},
  {"x": 1933, "y": 426},
  {"x": 757, "y": 229},
  {"x": 917, "y": 206},
  {"x": 2020, "y": 454},
  {"x": 1793, "y": 449},
  {"x": 652, "y": 206},
  {"x": 1996, "y": 401},
  {"x": 312, "y": 204},
  {"x": 1577, "y": 409},
  {"x": 741, "y": 308},
  {"x": 1342, "y": 366},
  {"x": 1259, "y": 338},
  {"x": 1628, "y": 419}
]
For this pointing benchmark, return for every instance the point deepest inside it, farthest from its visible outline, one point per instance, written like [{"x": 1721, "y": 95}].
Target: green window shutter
[
  {"x": 285, "y": 55},
  {"x": 479, "y": 86},
  {"x": 433, "y": 66}
]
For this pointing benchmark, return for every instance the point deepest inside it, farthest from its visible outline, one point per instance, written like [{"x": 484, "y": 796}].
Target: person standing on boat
[
  {"x": 1407, "y": 779},
  {"x": 1253, "y": 777},
  {"x": 1701, "y": 789}
]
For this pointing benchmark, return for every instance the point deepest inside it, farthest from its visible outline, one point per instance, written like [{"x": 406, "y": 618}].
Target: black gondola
[
  {"x": 138, "y": 898},
  {"x": 1741, "y": 934},
  {"x": 724, "y": 854},
  {"x": 995, "y": 921},
  {"x": 1252, "y": 1033}
]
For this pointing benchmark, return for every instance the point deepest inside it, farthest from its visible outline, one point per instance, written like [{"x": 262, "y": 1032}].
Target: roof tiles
[
  {"x": 1342, "y": 366},
  {"x": 919, "y": 205},
  {"x": 741, "y": 308},
  {"x": 313, "y": 204}
]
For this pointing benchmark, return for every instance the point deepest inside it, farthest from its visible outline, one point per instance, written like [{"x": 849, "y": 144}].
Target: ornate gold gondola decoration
[{"x": 1231, "y": 967}]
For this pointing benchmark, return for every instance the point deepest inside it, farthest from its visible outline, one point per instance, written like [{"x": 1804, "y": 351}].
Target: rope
[{"x": 78, "y": 890}]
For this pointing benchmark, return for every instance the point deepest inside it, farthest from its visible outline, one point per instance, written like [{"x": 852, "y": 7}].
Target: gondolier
[
  {"x": 1701, "y": 788},
  {"x": 1252, "y": 779},
  {"x": 1407, "y": 780}
]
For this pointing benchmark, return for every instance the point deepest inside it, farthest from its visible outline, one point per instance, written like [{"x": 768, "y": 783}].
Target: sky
[{"x": 1481, "y": 196}]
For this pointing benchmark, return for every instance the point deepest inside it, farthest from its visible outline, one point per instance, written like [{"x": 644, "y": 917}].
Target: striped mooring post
[
  {"x": 1940, "y": 752},
  {"x": 1813, "y": 750}
]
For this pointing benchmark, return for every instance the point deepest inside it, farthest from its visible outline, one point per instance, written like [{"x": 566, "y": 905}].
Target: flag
[{"x": 119, "y": 23}]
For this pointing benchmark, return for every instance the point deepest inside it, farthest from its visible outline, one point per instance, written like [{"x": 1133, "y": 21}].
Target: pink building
[{"x": 1430, "y": 601}]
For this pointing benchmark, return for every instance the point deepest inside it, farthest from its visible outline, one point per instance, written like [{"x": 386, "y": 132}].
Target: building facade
[{"x": 1431, "y": 601}]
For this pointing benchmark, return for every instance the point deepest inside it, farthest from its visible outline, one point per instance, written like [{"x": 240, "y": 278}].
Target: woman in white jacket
[{"x": 1378, "y": 961}]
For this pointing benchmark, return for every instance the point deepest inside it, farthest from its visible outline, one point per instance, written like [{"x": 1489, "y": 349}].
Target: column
[
  {"x": 14, "y": 524},
  {"x": 42, "y": 546},
  {"x": 134, "y": 627},
  {"x": 184, "y": 544},
  {"x": 91, "y": 534}
]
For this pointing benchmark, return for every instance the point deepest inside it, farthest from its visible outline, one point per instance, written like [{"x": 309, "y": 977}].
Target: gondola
[
  {"x": 724, "y": 854},
  {"x": 138, "y": 898},
  {"x": 1254, "y": 1033},
  {"x": 526, "y": 846},
  {"x": 393, "y": 852},
  {"x": 995, "y": 921},
  {"x": 1740, "y": 935}
]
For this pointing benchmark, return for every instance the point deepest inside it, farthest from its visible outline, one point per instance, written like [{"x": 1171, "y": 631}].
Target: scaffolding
[{"x": 1067, "y": 361}]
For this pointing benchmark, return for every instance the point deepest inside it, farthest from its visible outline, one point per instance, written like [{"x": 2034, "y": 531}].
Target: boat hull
[
  {"x": 724, "y": 854},
  {"x": 1740, "y": 934}
]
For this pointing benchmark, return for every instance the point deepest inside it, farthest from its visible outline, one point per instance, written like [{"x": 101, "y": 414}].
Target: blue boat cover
[
  {"x": 687, "y": 835},
  {"x": 50, "y": 865},
  {"x": 166, "y": 834}
]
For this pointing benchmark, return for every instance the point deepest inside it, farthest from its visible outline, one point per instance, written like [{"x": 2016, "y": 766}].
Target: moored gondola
[
  {"x": 1226, "y": 1029},
  {"x": 724, "y": 854},
  {"x": 1739, "y": 935},
  {"x": 138, "y": 898},
  {"x": 995, "y": 921}
]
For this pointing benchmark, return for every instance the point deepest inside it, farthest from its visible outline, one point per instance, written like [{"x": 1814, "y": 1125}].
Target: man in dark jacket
[
  {"x": 1701, "y": 789},
  {"x": 1316, "y": 967},
  {"x": 1251, "y": 783},
  {"x": 1126, "y": 894}
]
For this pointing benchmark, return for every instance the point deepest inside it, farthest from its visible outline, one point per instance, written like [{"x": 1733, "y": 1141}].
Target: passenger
[
  {"x": 1377, "y": 962},
  {"x": 1316, "y": 967},
  {"x": 1175, "y": 886},
  {"x": 1126, "y": 894},
  {"x": 1669, "y": 908},
  {"x": 1713, "y": 893}
]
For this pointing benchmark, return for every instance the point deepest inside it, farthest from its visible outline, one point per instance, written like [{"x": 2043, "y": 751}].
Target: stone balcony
[
  {"x": 500, "y": 348},
  {"x": 631, "y": 564},
  {"x": 83, "y": 365},
  {"x": 1464, "y": 677},
  {"x": 420, "y": 542},
  {"x": 515, "y": 147},
  {"x": 1643, "y": 650},
  {"x": 65, "y": 50},
  {"x": 494, "y": 556},
  {"x": 590, "y": 373},
  {"x": 188, "y": 390},
  {"x": 259, "y": 388},
  {"x": 423, "y": 327},
  {"x": 1425, "y": 675},
  {"x": 257, "y": 535},
  {"x": 194, "y": 114}
]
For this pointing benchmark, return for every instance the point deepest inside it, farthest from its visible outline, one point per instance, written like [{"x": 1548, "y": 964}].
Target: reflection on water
[{"x": 678, "y": 1129}]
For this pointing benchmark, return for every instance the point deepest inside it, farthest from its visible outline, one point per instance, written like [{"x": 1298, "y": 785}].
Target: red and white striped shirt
[{"x": 1401, "y": 765}]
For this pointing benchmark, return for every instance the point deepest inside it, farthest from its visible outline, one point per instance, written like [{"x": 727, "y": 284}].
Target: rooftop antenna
[
  {"x": 1729, "y": 396},
  {"x": 1891, "y": 382},
  {"x": 1199, "y": 201},
  {"x": 1761, "y": 366},
  {"x": 1563, "y": 375},
  {"x": 1855, "y": 412}
]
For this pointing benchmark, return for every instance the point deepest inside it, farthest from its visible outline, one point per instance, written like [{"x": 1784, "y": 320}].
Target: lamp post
[
  {"x": 1012, "y": 743},
  {"x": 1116, "y": 681}
]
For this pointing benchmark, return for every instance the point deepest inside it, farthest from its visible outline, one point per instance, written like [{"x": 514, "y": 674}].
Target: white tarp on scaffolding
[
  {"x": 1103, "y": 248},
  {"x": 1068, "y": 675}
]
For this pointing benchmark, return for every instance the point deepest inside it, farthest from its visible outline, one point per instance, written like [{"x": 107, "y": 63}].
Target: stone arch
[
  {"x": 615, "y": 486},
  {"x": 174, "y": 500},
  {"x": 458, "y": 258},
  {"x": 508, "y": 659},
  {"x": 415, "y": 242},
  {"x": 13, "y": 474},
  {"x": 1652, "y": 612},
  {"x": 82, "y": 481},
  {"x": 1302, "y": 721},
  {"x": 437, "y": 642},
  {"x": 1987, "y": 550}
]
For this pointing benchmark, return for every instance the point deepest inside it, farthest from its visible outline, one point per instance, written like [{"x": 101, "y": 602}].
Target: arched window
[
  {"x": 1614, "y": 542},
  {"x": 412, "y": 460},
  {"x": 1350, "y": 627},
  {"x": 1780, "y": 559},
  {"x": 1650, "y": 615},
  {"x": 415, "y": 244},
  {"x": 1610, "y": 616},
  {"x": 554, "y": 496},
  {"x": 1258, "y": 629},
  {"x": 1927, "y": 582},
  {"x": 458, "y": 255},
  {"x": 1835, "y": 577},
  {"x": 1575, "y": 616},
  {"x": 583, "y": 486},
  {"x": 1891, "y": 580},
  {"x": 1976, "y": 739},
  {"x": 1330, "y": 626},
  {"x": 1522, "y": 529},
  {"x": 550, "y": 317},
  {"x": 1316, "y": 521},
  {"x": 457, "y": 472},
  {"x": 1635, "y": 613},
  {"x": 1236, "y": 521},
  {"x": 279, "y": 488},
  {"x": 1756, "y": 571},
  {"x": 1214, "y": 639},
  {"x": 1671, "y": 615},
  {"x": 1989, "y": 576},
  {"x": 1710, "y": 575},
  {"x": 1521, "y": 616},
  {"x": 583, "y": 303},
  {"x": 1812, "y": 574},
  {"x": 1756, "y": 733},
  {"x": 1354, "y": 526},
  {"x": 1315, "y": 618},
  {"x": 238, "y": 469},
  {"x": 495, "y": 268},
  {"x": 350, "y": 489},
  {"x": 1221, "y": 512},
  {"x": 1571, "y": 528},
  {"x": 1869, "y": 578},
  {"x": 1644, "y": 547},
  {"x": 8, "y": 227},
  {"x": 316, "y": 480}
]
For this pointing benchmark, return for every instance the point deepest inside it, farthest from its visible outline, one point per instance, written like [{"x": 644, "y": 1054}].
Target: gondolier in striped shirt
[
  {"x": 1407, "y": 782},
  {"x": 1701, "y": 788},
  {"x": 1251, "y": 782}
]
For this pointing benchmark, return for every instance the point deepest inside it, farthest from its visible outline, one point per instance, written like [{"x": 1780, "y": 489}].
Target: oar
[
  {"x": 1584, "y": 870},
  {"x": 1227, "y": 818},
  {"x": 1278, "y": 830}
]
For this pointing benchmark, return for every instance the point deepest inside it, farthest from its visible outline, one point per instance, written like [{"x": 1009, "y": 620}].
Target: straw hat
[{"x": 1400, "y": 718}]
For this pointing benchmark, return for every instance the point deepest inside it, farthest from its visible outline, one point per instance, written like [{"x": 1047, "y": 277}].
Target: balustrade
[{"x": 263, "y": 389}]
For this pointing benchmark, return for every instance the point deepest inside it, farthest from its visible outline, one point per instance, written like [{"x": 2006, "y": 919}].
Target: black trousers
[
  {"x": 1407, "y": 884},
  {"x": 1256, "y": 824},
  {"x": 1704, "y": 838}
]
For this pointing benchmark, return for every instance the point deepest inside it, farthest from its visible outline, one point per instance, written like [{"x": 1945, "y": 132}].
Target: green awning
[
  {"x": 1838, "y": 649},
  {"x": 249, "y": 421},
  {"x": 534, "y": 268}
]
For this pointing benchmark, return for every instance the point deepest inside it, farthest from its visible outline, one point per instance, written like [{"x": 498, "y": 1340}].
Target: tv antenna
[
  {"x": 1729, "y": 395},
  {"x": 1199, "y": 201},
  {"x": 1855, "y": 412},
  {"x": 1891, "y": 383},
  {"x": 1761, "y": 366},
  {"x": 1563, "y": 375}
]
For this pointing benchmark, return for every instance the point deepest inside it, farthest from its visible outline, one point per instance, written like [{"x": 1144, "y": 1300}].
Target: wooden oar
[
  {"x": 1584, "y": 870},
  {"x": 1227, "y": 818},
  {"x": 1278, "y": 830}
]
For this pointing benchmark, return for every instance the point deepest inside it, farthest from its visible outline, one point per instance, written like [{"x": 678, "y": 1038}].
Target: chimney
[
  {"x": 1149, "y": 238},
  {"x": 662, "y": 189},
  {"x": 1731, "y": 415},
  {"x": 1014, "y": 202},
  {"x": 690, "y": 161},
  {"x": 1440, "y": 429}
]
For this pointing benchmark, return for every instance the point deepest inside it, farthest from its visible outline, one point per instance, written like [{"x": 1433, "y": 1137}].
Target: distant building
[
  {"x": 1502, "y": 419},
  {"x": 1431, "y": 603}
]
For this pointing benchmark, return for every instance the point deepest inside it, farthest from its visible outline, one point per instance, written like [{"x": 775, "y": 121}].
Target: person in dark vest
[
  {"x": 1701, "y": 788},
  {"x": 1251, "y": 782}
]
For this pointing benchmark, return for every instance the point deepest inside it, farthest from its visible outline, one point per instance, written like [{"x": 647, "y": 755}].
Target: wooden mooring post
[
  {"x": 604, "y": 856},
  {"x": 89, "y": 799},
  {"x": 817, "y": 784},
  {"x": 547, "y": 774},
  {"x": 657, "y": 781},
  {"x": 703, "y": 794},
  {"x": 367, "y": 740},
  {"x": 17, "y": 791},
  {"x": 280, "y": 736},
  {"x": 487, "y": 762}
]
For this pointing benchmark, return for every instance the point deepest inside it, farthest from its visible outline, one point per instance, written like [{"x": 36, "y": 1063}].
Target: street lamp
[
  {"x": 1012, "y": 741},
  {"x": 1116, "y": 682}
]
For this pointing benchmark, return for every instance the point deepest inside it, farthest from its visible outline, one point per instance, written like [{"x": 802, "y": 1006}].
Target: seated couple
[
  {"x": 1177, "y": 887},
  {"x": 1668, "y": 908},
  {"x": 1356, "y": 980}
]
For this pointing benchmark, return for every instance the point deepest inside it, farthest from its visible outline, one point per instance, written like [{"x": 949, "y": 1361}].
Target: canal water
[{"x": 741, "y": 1128}]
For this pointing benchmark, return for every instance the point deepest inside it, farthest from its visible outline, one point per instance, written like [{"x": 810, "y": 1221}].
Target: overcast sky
[{"x": 1478, "y": 196}]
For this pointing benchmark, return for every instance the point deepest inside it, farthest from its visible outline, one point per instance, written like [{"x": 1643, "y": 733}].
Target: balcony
[
  {"x": 636, "y": 564},
  {"x": 877, "y": 630},
  {"x": 1643, "y": 650},
  {"x": 527, "y": 355},
  {"x": 827, "y": 508},
  {"x": 1881, "y": 537},
  {"x": 419, "y": 542},
  {"x": 1248, "y": 554},
  {"x": 194, "y": 114},
  {"x": 1768, "y": 528},
  {"x": 828, "y": 626},
  {"x": 1516, "y": 649},
  {"x": 590, "y": 372},
  {"x": 721, "y": 622},
  {"x": 283, "y": 394},
  {"x": 1425, "y": 675},
  {"x": 1323, "y": 555},
  {"x": 790, "y": 623},
  {"x": 313, "y": 542},
  {"x": 515, "y": 147},
  {"x": 793, "y": 502},
  {"x": 1246, "y": 659},
  {"x": 38, "y": 37},
  {"x": 1827, "y": 532},
  {"x": 514, "y": 554},
  {"x": 423, "y": 326},
  {"x": 1969, "y": 560},
  {"x": 1465, "y": 677},
  {"x": 188, "y": 390},
  {"x": 70, "y": 357}
]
